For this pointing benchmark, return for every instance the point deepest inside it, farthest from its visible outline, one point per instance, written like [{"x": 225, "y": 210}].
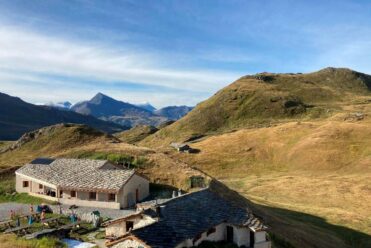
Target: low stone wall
[
  {"x": 97, "y": 204},
  {"x": 8, "y": 171},
  {"x": 84, "y": 213}
]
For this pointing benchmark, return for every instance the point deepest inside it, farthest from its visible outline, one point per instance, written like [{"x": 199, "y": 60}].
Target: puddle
[{"x": 72, "y": 243}]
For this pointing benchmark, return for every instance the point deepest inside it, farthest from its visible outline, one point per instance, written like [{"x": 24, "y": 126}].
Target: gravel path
[
  {"x": 25, "y": 209},
  {"x": 20, "y": 208}
]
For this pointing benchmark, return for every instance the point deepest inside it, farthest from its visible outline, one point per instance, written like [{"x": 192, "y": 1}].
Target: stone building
[
  {"x": 82, "y": 182},
  {"x": 187, "y": 221}
]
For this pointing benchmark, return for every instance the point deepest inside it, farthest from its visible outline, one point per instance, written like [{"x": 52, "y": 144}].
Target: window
[
  {"x": 73, "y": 193},
  {"x": 211, "y": 230},
  {"x": 111, "y": 197},
  {"x": 93, "y": 195},
  {"x": 41, "y": 186},
  {"x": 25, "y": 184},
  {"x": 129, "y": 225}
]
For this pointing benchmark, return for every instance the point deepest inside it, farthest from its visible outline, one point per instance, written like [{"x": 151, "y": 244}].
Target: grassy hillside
[
  {"x": 136, "y": 134},
  {"x": 265, "y": 99},
  {"x": 307, "y": 179},
  {"x": 52, "y": 141}
]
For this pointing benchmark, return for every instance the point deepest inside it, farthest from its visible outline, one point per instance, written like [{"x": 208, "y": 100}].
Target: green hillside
[{"x": 264, "y": 99}]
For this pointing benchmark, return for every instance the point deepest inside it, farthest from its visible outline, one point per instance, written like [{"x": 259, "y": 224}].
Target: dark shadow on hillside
[
  {"x": 160, "y": 191},
  {"x": 289, "y": 228}
]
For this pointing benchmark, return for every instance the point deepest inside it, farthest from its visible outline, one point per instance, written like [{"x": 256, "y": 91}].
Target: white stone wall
[
  {"x": 66, "y": 194},
  {"x": 87, "y": 203},
  {"x": 260, "y": 236},
  {"x": 136, "y": 182},
  {"x": 129, "y": 243},
  {"x": 218, "y": 235},
  {"x": 266, "y": 244},
  {"x": 19, "y": 184},
  {"x": 241, "y": 236},
  {"x": 81, "y": 195},
  {"x": 35, "y": 188},
  {"x": 119, "y": 229}
]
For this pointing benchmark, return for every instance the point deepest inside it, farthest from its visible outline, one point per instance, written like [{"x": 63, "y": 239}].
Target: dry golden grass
[
  {"x": 136, "y": 134},
  {"x": 306, "y": 178},
  {"x": 266, "y": 99}
]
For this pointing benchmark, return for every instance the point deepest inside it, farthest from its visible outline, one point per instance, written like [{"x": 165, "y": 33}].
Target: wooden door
[
  {"x": 252, "y": 238},
  {"x": 137, "y": 195},
  {"x": 230, "y": 234}
]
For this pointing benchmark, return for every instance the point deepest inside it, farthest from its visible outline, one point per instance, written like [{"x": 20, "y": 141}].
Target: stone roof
[
  {"x": 83, "y": 174},
  {"x": 187, "y": 216}
]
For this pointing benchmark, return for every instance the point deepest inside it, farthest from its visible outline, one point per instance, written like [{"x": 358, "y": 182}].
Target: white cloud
[{"x": 26, "y": 51}]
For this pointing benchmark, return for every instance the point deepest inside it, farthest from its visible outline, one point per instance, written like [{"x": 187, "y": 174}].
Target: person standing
[
  {"x": 30, "y": 219},
  {"x": 12, "y": 214},
  {"x": 18, "y": 222},
  {"x": 42, "y": 216}
]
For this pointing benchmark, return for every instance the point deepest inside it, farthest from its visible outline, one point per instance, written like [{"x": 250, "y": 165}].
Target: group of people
[{"x": 31, "y": 218}]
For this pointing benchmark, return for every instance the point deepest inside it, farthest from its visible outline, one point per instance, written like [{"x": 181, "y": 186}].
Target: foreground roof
[
  {"x": 187, "y": 216},
  {"x": 82, "y": 174}
]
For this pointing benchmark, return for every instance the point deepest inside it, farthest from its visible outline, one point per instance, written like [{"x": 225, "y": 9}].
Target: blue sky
[{"x": 171, "y": 52}]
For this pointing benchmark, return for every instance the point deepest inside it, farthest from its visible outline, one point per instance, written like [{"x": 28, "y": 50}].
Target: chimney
[
  {"x": 174, "y": 194},
  {"x": 159, "y": 210},
  {"x": 179, "y": 192}
]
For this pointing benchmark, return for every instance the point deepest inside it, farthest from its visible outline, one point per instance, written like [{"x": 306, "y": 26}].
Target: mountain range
[
  {"x": 18, "y": 117},
  {"x": 106, "y": 108}
]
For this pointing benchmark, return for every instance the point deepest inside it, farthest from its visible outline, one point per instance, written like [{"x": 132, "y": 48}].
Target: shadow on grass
[
  {"x": 289, "y": 228},
  {"x": 160, "y": 191}
]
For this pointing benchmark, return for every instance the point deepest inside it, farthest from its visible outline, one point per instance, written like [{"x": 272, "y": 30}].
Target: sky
[{"x": 166, "y": 52}]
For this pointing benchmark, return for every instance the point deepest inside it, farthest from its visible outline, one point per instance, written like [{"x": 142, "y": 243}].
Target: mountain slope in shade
[
  {"x": 18, "y": 117},
  {"x": 173, "y": 112},
  {"x": 264, "y": 99},
  {"x": 109, "y": 109}
]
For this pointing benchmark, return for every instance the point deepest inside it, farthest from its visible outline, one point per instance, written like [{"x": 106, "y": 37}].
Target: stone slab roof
[
  {"x": 187, "y": 216},
  {"x": 83, "y": 174}
]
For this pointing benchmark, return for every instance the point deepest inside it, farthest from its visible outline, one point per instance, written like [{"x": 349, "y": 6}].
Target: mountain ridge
[
  {"x": 107, "y": 108},
  {"x": 18, "y": 117}
]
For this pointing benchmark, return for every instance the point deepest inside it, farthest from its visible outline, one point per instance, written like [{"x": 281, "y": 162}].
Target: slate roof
[
  {"x": 187, "y": 216},
  {"x": 83, "y": 174}
]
